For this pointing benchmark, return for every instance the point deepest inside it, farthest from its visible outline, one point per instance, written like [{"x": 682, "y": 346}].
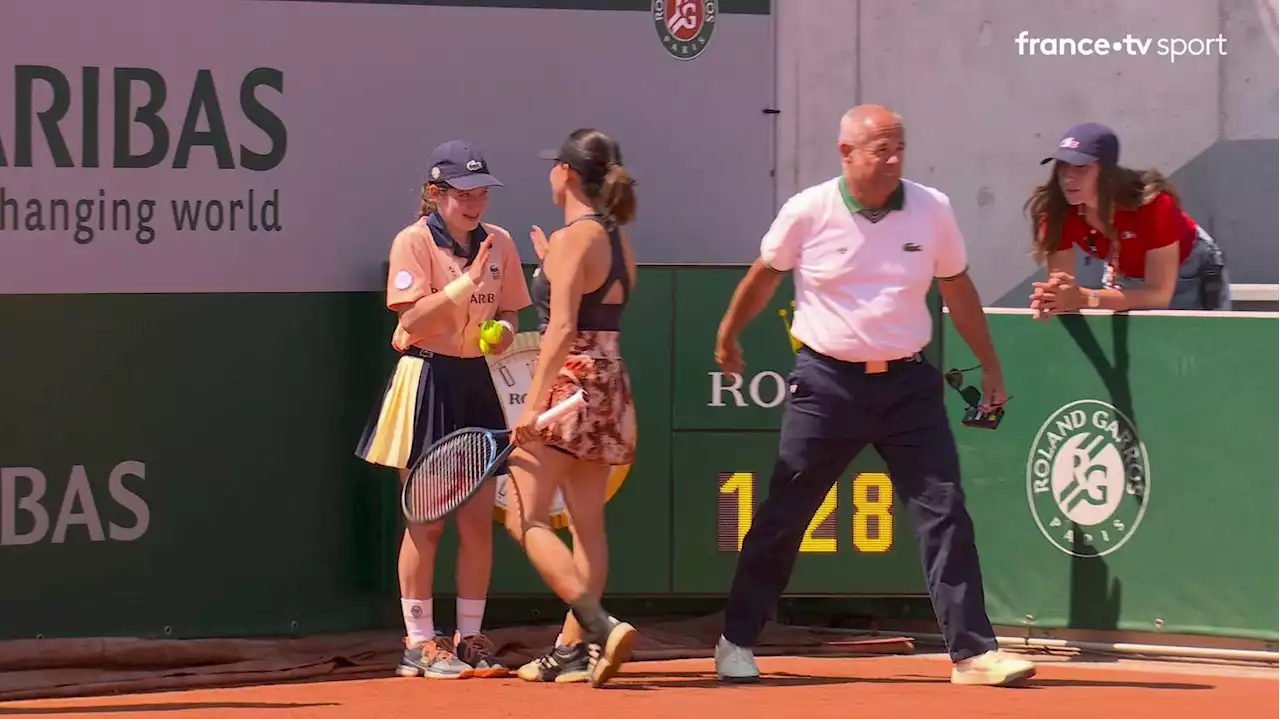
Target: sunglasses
[{"x": 973, "y": 416}]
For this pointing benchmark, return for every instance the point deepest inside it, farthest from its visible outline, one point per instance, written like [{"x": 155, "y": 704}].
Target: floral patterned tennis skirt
[{"x": 603, "y": 431}]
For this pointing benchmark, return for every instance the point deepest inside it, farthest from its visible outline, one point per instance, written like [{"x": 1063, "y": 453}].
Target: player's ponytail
[
  {"x": 597, "y": 161},
  {"x": 618, "y": 195}
]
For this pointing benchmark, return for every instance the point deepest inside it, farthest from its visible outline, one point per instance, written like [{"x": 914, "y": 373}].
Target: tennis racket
[{"x": 457, "y": 465}]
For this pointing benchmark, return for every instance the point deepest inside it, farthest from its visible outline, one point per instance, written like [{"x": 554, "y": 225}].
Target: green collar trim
[{"x": 874, "y": 214}]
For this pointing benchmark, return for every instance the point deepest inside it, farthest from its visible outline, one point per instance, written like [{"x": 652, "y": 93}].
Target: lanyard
[{"x": 1111, "y": 263}]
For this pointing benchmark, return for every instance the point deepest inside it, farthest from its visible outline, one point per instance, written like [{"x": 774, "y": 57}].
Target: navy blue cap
[
  {"x": 1086, "y": 143},
  {"x": 460, "y": 164}
]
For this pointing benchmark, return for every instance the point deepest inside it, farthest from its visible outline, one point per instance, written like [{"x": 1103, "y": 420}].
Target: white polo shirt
[{"x": 862, "y": 286}]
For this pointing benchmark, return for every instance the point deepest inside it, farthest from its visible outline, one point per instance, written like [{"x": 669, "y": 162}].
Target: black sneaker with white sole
[
  {"x": 609, "y": 652},
  {"x": 563, "y": 665}
]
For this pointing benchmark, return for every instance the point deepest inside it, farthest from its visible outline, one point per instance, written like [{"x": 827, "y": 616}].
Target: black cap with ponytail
[{"x": 597, "y": 159}]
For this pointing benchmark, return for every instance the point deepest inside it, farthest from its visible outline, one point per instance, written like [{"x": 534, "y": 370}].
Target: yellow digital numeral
[
  {"x": 743, "y": 485},
  {"x": 872, "y": 497},
  {"x": 864, "y": 508},
  {"x": 820, "y": 545}
]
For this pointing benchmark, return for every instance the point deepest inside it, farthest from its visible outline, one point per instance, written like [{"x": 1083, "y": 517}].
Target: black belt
[
  {"x": 429, "y": 355},
  {"x": 872, "y": 367}
]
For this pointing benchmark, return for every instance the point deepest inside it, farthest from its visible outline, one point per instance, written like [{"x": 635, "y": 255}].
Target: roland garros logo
[
  {"x": 1088, "y": 478},
  {"x": 685, "y": 26}
]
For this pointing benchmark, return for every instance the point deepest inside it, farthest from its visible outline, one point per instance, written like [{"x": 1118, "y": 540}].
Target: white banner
[{"x": 237, "y": 146}]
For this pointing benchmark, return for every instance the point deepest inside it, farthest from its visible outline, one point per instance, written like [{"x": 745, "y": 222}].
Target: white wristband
[
  {"x": 459, "y": 291},
  {"x": 510, "y": 330}
]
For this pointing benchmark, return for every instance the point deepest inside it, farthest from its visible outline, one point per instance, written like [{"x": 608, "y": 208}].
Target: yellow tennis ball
[
  {"x": 485, "y": 347},
  {"x": 491, "y": 332}
]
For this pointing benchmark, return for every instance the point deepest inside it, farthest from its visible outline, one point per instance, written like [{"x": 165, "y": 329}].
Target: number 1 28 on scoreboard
[{"x": 872, "y": 530}]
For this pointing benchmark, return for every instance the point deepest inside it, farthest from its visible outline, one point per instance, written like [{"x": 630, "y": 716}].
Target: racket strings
[{"x": 449, "y": 474}]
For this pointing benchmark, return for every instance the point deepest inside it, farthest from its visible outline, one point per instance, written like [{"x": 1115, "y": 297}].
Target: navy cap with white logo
[
  {"x": 1086, "y": 143},
  {"x": 460, "y": 164}
]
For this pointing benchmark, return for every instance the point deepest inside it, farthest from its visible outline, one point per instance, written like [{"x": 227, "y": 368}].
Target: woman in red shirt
[{"x": 1156, "y": 256}]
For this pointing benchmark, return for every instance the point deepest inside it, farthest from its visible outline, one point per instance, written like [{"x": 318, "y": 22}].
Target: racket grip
[{"x": 572, "y": 404}]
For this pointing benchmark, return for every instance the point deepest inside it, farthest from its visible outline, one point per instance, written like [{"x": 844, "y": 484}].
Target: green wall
[
  {"x": 1198, "y": 490},
  {"x": 241, "y": 413},
  {"x": 244, "y": 410}
]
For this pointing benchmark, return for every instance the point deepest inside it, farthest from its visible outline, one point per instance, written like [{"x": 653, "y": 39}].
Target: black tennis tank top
[{"x": 593, "y": 313}]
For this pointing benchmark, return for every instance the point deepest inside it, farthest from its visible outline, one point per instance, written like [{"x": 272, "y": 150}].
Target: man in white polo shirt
[{"x": 864, "y": 249}]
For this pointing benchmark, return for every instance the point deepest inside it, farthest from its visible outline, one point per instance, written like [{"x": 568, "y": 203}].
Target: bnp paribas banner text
[{"x": 257, "y": 146}]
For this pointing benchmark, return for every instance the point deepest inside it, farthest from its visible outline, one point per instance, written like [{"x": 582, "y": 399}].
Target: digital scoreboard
[
  {"x": 871, "y": 531},
  {"x": 724, "y": 442},
  {"x": 858, "y": 542}
]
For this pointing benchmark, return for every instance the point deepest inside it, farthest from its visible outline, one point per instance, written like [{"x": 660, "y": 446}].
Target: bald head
[
  {"x": 868, "y": 121},
  {"x": 871, "y": 149}
]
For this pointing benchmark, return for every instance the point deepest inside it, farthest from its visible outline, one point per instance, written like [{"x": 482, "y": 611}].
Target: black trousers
[{"x": 833, "y": 412}]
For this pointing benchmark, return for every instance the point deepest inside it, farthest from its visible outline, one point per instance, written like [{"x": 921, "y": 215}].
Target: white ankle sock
[
  {"x": 470, "y": 616},
  {"x": 417, "y": 619}
]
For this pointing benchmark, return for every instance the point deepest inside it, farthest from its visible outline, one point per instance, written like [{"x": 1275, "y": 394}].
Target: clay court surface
[{"x": 834, "y": 688}]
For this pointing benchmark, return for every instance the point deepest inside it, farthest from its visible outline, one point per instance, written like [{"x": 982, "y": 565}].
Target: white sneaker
[
  {"x": 735, "y": 663},
  {"x": 992, "y": 669}
]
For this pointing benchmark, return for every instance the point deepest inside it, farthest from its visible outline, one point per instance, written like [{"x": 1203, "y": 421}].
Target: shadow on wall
[
  {"x": 1231, "y": 190},
  {"x": 1095, "y": 595},
  {"x": 1114, "y": 373},
  {"x": 1095, "y": 601}
]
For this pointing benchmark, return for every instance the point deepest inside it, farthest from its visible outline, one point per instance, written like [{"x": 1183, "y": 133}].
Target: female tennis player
[
  {"x": 450, "y": 272},
  {"x": 580, "y": 292},
  {"x": 1156, "y": 256}
]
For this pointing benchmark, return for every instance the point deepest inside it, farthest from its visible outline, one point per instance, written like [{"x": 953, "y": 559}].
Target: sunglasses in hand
[{"x": 974, "y": 415}]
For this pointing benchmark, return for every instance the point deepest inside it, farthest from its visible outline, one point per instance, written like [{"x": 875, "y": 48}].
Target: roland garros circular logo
[
  {"x": 1088, "y": 479},
  {"x": 685, "y": 26}
]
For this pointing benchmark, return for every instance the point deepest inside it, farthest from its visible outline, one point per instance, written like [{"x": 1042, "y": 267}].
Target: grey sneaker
[
  {"x": 433, "y": 659},
  {"x": 478, "y": 652},
  {"x": 735, "y": 663}
]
